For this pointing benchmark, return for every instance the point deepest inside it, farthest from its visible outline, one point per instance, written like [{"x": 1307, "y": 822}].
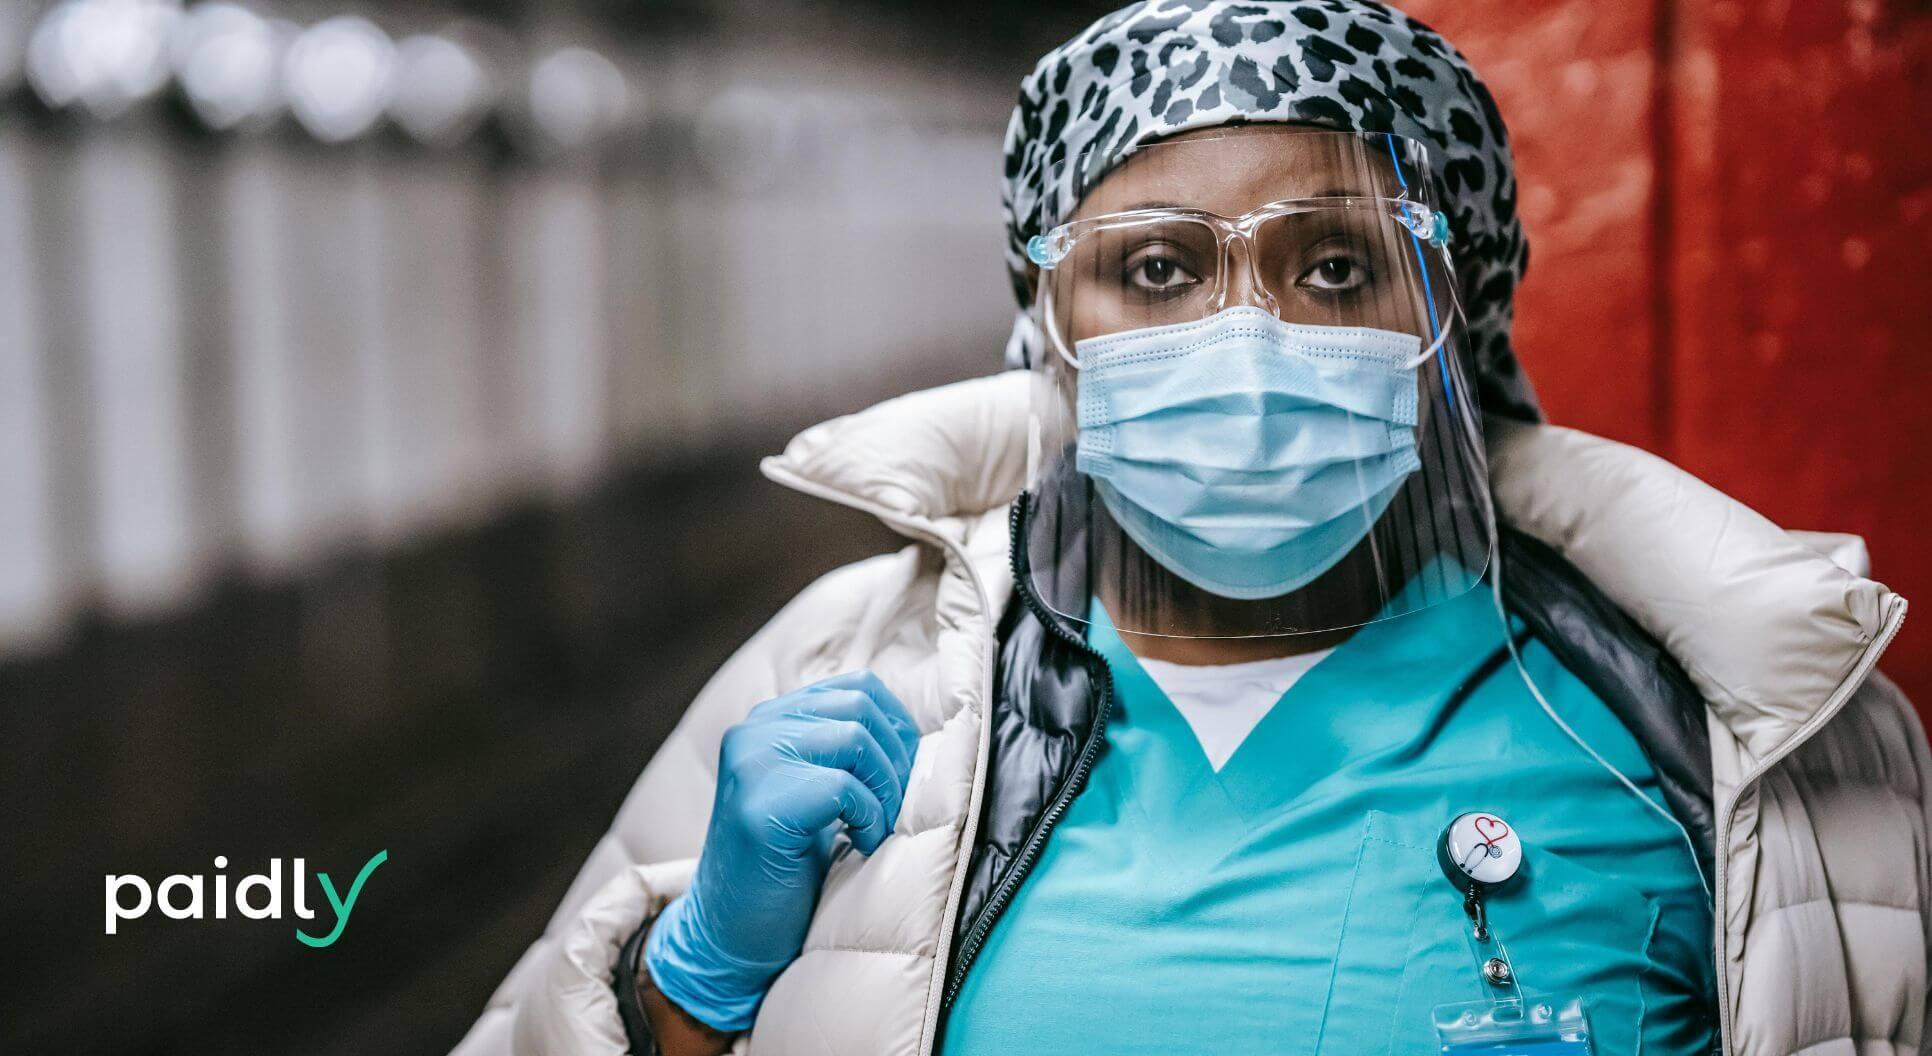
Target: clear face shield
[{"x": 1252, "y": 417}]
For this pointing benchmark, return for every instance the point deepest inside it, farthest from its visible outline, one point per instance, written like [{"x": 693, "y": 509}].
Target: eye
[
  {"x": 1156, "y": 271},
  {"x": 1337, "y": 273}
]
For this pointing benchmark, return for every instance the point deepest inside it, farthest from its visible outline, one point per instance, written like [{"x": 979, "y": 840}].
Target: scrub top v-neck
[{"x": 1291, "y": 901}]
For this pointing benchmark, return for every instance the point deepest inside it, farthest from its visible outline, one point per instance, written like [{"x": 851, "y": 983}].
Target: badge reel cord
[
  {"x": 1439, "y": 332},
  {"x": 1496, "y": 591}
]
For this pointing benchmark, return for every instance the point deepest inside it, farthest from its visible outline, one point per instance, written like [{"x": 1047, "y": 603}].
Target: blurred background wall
[
  {"x": 381, "y": 389},
  {"x": 1728, "y": 206}
]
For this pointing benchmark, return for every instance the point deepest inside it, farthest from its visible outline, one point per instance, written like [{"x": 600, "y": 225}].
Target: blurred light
[
  {"x": 339, "y": 75},
  {"x": 13, "y": 43},
  {"x": 225, "y": 57},
  {"x": 442, "y": 89},
  {"x": 576, "y": 97},
  {"x": 105, "y": 55},
  {"x": 750, "y": 140}
]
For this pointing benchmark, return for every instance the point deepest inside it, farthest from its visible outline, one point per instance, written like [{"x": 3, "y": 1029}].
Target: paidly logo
[{"x": 257, "y": 896}]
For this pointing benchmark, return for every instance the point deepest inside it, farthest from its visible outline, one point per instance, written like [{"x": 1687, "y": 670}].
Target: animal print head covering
[{"x": 1167, "y": 66}]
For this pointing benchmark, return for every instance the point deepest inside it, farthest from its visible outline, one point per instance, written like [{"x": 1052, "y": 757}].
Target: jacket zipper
[{"x": 1077, "y": 779}]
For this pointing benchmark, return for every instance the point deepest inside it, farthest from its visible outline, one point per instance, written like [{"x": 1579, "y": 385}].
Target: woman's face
[
  {"x": 1334, "y": 266},
  {"x": 1348, "y": 261}
]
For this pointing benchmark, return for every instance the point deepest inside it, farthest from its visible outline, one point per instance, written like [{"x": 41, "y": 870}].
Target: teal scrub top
[{"x": 1292, "y": 902}]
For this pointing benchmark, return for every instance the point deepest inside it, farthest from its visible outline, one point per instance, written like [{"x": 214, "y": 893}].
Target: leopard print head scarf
[{"x": 1162, "y": 67}]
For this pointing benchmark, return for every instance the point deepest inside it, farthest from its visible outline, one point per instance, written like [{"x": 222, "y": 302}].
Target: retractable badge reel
[{"x": 1481, "y": 853}]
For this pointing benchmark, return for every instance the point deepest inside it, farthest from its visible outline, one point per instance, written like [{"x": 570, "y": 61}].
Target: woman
[{"x": 1189, "y": 719}]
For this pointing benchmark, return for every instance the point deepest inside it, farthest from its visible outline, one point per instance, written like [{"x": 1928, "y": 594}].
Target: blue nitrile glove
[{"x": 837, "y": 751}]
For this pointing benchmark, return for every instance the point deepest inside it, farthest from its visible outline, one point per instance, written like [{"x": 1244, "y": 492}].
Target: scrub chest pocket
[{"x": 1404, "y": 945}]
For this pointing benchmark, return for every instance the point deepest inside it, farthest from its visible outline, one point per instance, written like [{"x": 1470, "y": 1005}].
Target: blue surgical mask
[{"x": 1245, "y": 454}]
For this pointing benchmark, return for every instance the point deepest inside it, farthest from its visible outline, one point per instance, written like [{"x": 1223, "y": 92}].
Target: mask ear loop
[
  {"x": 1464, "y": 409},
  {"x": 1047, "y": 322},
  {"x": 1456, "y": 321},
  {"x": 1442, "y": 338}
]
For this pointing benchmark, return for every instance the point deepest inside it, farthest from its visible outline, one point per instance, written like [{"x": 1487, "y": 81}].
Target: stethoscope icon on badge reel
[{"x": 1481, "y": 853}]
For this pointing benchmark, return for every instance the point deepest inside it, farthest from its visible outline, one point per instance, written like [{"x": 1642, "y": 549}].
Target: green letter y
[{"x": 342, "y": 906}]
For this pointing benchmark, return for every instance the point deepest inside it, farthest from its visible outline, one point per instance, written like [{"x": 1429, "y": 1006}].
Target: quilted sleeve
[{"x": 663, "y": 818}]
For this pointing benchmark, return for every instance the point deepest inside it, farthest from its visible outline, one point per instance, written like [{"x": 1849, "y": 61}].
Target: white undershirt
[{"x": 1222, "y": 703}]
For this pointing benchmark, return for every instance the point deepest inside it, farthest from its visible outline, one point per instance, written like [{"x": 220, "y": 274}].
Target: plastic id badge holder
[
  {"x": 1538, "y": 1026},
  {"x": 1479, "y": 852}
]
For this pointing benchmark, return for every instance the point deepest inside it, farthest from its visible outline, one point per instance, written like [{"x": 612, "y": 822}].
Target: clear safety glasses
[
  {"x": 1336, "y": 260},
  {"x": 1254, "y": 418}
]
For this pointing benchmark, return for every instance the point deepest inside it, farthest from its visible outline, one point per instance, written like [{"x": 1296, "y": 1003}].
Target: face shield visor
[{"x": 1252, "y": 417}]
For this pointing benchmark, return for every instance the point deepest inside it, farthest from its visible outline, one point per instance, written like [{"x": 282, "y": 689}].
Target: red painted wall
[{"x": 1730, "y": 209}]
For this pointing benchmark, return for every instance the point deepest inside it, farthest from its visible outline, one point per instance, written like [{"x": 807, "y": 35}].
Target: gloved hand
[{"x": 799, "y": 765}]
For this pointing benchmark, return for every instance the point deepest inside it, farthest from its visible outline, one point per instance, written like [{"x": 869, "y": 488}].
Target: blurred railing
[{"x": 278, "y": 282}]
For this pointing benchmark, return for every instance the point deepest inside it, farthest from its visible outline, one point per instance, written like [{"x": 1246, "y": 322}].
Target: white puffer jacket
[{"x": 1823, "y": 871}]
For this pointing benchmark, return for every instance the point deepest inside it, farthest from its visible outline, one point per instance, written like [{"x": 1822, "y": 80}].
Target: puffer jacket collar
[
  {"x": 1772, "y": 633},
  {"x": 1775, "y": 637}
]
